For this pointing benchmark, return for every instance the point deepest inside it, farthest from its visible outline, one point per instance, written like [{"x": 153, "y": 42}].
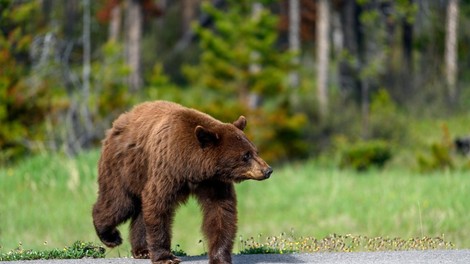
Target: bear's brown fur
[{"x": 153, "y": 158}]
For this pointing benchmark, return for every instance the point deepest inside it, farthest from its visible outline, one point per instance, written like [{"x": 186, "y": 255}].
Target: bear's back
[
  {"x": 154, "y": 135},
  {"x": 165, "y": 113}
]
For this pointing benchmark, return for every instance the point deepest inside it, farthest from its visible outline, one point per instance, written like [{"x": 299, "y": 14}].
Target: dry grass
[{"x": 338, "y": 243}]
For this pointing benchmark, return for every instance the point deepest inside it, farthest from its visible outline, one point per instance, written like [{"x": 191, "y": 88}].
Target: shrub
[
  {"x": 385, "y": 121},
  {"x": 365, "y": 154},
  {"x": 439, "y": 155},
  {"x": 439, "y": 158}
]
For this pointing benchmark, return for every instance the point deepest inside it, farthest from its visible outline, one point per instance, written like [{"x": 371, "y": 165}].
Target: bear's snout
[{"x": 267, "y": 172}]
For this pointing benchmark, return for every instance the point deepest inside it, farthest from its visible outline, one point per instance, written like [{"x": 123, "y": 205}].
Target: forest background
[{"x": 311, "y": 76}]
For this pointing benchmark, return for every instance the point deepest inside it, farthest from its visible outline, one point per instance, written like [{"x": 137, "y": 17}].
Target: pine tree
[{"x": 242, "y": 66}]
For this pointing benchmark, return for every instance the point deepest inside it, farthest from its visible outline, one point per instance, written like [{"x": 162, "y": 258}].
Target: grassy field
[{"x": 46, "y": 202}]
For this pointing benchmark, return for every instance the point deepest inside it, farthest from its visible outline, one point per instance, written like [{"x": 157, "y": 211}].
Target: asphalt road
[{"x": 390, "y": 257}]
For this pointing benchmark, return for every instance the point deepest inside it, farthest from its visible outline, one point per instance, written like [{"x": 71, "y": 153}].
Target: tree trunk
[
  {"x": 46, "y": 11},
  {"x": 294, "y": 40},
  {"x": 85, "y": 110},
  {"x": 348, "y": 72},
  {"x": 134, "y": 22},
  {"x": 407, "y": 72},
  {"x": 189, "y": 8},
  {"x": 323, "y": 55},
  {"x": 407, "y": 45},
  {"x": 252, "y": 99},
  {"x": 71, "y": 17},
  {"x": 365, "y": 107},
  {"x": 451, "y": 49},
  {"x": 115, "y": 23}
]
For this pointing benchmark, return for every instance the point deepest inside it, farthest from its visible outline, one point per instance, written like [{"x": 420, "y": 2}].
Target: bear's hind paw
[{"x": 141, "y": 254}]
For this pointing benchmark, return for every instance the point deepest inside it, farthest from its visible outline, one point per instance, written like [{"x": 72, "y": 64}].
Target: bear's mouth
[{"x": 259, "y": 176}]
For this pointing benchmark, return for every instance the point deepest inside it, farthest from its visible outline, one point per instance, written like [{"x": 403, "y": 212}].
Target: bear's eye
[{"x": 247, "y": 157}]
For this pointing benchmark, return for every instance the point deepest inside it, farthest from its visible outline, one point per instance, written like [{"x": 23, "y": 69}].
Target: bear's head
[{"x": 235, "y": 157}]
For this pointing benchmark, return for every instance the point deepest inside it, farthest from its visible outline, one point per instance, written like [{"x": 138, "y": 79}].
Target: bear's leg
[
  {"x": 108, "y": 212},
  {"x": 218, "y": 203},
  {"x": 138, "y": 237},
  {"x": 158, "y": 207}
]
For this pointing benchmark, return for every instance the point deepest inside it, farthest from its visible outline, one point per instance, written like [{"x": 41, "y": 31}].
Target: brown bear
[{"x": 153, "y": 158}]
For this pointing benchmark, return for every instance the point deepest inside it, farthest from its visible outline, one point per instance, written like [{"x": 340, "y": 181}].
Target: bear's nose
[{"x": 267, "y": 172}]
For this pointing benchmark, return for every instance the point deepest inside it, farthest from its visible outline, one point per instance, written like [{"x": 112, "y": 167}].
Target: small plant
[
  {"x": 365, "y": 154},
  {"x": 263, "y": 250},
  {"x": 273, "y": 245},
  {"x": 177, "y": 251},
  {"x": 440, "y": 154},
  {"x": 77, "y": 250}
]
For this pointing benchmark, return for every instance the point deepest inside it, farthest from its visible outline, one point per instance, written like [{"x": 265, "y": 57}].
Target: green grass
[
  {"x": 49, "y": 199},
  {"x": 77, "y": 250}
]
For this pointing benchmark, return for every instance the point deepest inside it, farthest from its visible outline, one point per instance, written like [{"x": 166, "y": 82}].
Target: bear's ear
[
  {"x": 206, "y": 137},
  {"x": 240, "y": 123}
]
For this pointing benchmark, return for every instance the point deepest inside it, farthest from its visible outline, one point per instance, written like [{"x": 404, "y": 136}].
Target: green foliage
[
  {"x": 365, "y": 154},
  {"x": 387, "y": 127},
  {"x": 239, "y": 62},
  {"x": 239, "y": 55},
  {"x": 373, "y": 60},
  {"x": 40, "y": 85},
  {"x": 77, "y": 250},
  {"x": 109, "y": 91},
  {"x": 22, "y": 107},
  {"x": 440, "y": 155},
  {"x": 439, "y": 158},
  {"x": 407, "y": 10},
  {"x": 385, "y": 121}
]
